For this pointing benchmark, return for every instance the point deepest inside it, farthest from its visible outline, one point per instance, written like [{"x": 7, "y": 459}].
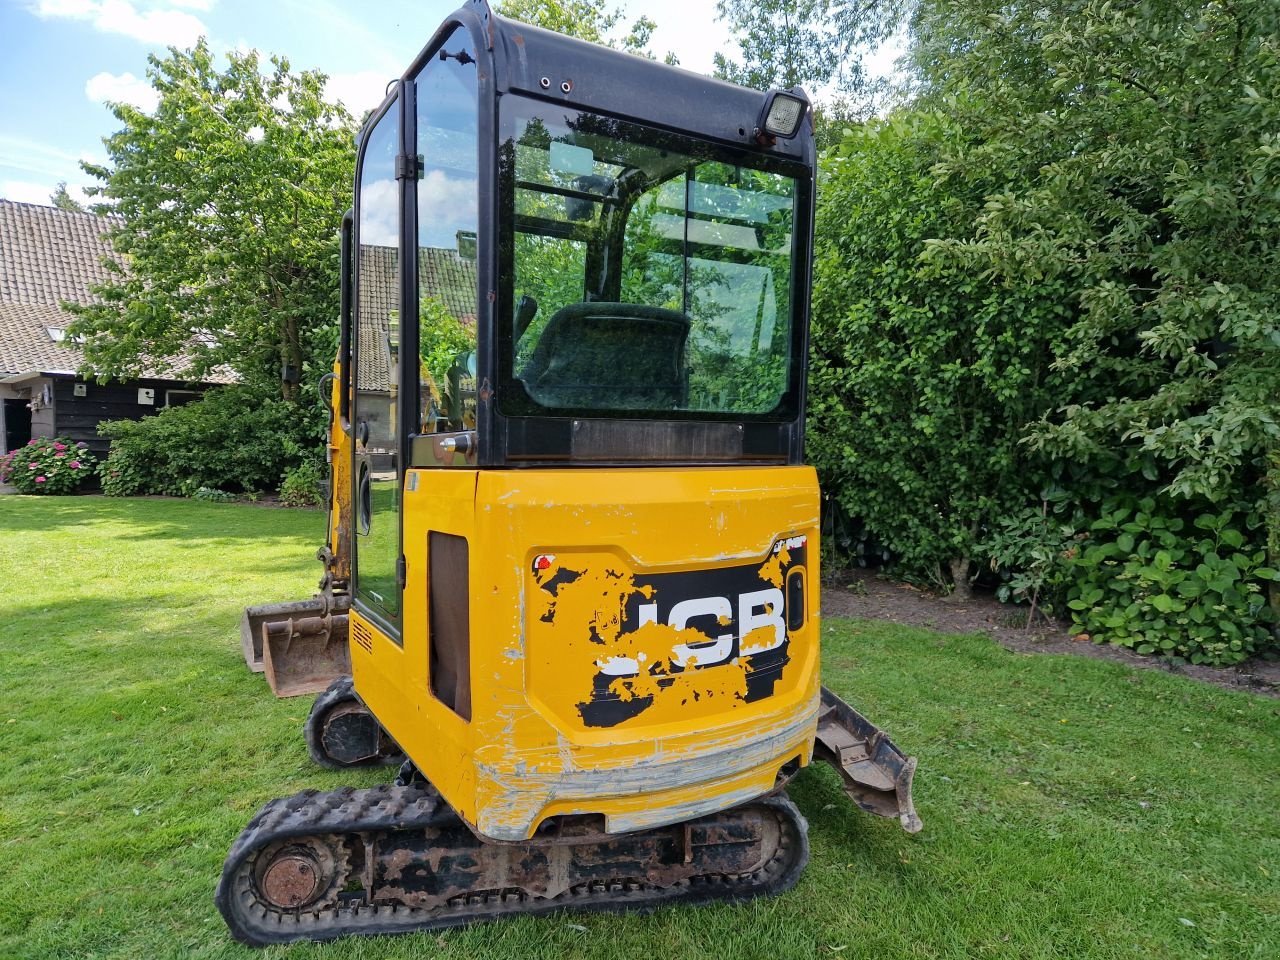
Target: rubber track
[{"x": 394, "y": 808}]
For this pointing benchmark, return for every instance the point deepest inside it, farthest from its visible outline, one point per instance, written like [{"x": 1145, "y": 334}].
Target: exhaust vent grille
[{"x": 362, "y": 635}]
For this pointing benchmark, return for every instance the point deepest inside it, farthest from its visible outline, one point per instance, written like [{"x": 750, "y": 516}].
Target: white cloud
[
  {"x": 380, "y": 214},
  {"x": 358, "y": 92},
  {"x": 125, "y": 88},
  {"x": 32, "y": 170},
  {"x": 360, "y": 34},
  {"x": 204, "y": 5},
  {"x": 445, "y": 205},
  {"x": 78, "y": 9},
  {"x": 158, "y": 26},
  {"x": 25, "y": 191}
]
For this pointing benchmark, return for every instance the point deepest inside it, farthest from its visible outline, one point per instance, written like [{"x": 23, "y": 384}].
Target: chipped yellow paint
[
  {"x": 771, "y": 569},
  {"x": 526, "y": 752},
  {"x": 587, "y": 615}
]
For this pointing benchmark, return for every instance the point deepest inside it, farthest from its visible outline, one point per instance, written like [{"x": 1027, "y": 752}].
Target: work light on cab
[{"x": 782, "y": 115}]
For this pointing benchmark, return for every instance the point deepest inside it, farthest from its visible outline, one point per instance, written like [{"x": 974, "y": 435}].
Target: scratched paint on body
[
  {"x": 588, "y": 614},
  {"x": 657, "y": 669},
  {"x": 771, "y": 570}
]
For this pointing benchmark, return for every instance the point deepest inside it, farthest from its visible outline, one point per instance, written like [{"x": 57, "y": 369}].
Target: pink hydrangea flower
[
  {"x": 59, "y": 446},
  {"x": 60, "y": 456},
  {"x": 39, "y": 479},
  {"x": 74, "y": 464},
  {"x": 32, "y": 466}
]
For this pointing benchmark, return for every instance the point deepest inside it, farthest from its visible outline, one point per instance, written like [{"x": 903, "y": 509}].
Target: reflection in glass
[
  {"x": 448, "y": 225},
  {"x": 377, "y": 371},
  {"x": 651, "y": 275}
]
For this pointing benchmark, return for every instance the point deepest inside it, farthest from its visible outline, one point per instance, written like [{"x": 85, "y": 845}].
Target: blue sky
[{"x": 63, "y": 59}]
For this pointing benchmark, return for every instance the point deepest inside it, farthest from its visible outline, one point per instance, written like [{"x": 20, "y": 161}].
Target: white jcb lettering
[
  {"x": 770, "y": 603},
  {"x": 762, "y": 608},
  {"x": 707, "y": 653},
  {"x": 648, "y": 614}
]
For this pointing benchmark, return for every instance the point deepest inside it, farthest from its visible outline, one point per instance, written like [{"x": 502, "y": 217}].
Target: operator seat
[{"x": 610, "y": 356}]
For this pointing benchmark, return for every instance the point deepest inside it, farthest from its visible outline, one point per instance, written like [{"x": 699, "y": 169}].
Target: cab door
[{"x": 375, "y": 377}]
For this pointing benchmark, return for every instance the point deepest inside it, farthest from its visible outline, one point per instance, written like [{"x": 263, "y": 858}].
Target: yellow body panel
[{"x": 611, "y": 670}]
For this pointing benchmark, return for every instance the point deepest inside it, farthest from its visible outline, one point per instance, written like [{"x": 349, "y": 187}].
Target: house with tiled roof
[{"x": 50, "y": 257}]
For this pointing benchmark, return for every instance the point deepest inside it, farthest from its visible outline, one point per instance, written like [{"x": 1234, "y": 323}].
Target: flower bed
[{"x": 47, "y": 465}]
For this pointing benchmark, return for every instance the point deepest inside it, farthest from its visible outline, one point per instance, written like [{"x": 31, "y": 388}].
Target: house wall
[
  {"x": 42, "y": 407},
  {"x": 77, "y": 418}
]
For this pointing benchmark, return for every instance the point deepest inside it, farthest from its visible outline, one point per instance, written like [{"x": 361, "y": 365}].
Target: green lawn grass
[{"x": 1072, "y": 808}]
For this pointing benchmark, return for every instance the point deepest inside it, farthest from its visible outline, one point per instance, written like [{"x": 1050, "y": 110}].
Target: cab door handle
[{"x": 364, "y": 497}]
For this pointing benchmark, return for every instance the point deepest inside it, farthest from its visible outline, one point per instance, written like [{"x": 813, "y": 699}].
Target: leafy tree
[
  {"x": 922, "y": 378},
  {"x": 589, "y": 20},
  {"x": 1152, "y": 128},
  {"x": 63, "y": 200},
  {"x": 812, "y": 43},
  {"x": 1132, "y": 164},
  {"x": 230, "y": 194},
  {"x": 443, "y": 337}
]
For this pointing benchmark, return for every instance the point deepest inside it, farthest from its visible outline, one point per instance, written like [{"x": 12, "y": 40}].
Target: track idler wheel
[
  {"x": 341, "y": 733},
  {"x": 302, "y": 874}
]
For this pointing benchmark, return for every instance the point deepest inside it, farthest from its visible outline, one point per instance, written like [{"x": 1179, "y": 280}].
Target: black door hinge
[{"x": 409, "y": 168}]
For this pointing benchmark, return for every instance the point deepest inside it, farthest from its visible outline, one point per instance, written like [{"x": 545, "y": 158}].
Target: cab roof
[{"x": 538, "y": 63}]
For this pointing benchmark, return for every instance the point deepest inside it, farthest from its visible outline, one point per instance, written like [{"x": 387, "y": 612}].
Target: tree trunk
[
  {"x": 960, "y": 579},
  {"x": 290, "y": 359}
]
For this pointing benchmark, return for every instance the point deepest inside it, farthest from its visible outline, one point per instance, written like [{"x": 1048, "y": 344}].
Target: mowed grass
[{"x": 1072, "y": 808}]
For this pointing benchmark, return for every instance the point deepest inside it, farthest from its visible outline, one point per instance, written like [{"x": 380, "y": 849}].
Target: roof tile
[{"x": 47, "y": 257}]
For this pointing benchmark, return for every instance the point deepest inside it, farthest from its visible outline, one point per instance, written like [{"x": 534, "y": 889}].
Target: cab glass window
[
  {"x": 651, "y": 273},
  {"x": 448, "y": 218}
]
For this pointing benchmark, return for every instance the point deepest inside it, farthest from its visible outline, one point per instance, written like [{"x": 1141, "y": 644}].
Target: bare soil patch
[{"x": 864, "y": 595}]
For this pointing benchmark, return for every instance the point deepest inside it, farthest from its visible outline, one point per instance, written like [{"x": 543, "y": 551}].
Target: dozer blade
[
  {"x": 877, "y": 775},
  {"x": 301, "y": 646}
]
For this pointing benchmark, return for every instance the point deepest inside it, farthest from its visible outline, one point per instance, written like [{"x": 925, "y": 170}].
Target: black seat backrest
[{"x": 610, "y": 356}]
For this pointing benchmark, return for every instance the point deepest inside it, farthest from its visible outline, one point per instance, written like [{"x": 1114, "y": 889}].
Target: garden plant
[{"x": 48, "y": 465}]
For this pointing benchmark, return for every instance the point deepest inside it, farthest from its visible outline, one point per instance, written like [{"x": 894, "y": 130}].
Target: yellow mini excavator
[{"x": 571, "y": 581}]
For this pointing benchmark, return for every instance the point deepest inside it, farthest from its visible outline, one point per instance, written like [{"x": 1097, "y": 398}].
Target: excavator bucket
[
  {"x": 875, "y": 773},
  {"x": 301, "y": 646}
]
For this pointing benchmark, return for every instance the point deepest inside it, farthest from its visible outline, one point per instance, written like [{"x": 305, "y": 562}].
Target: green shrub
[
  {"x": 213, "y": 495},
  {"x": 922, "y": 377},
  {"x": 232, "y": 439},
  {"x": 1029, "y": 550},
  {"x": 1145, "y": 579},
  {"x": 304, "y": 485},
  {"x": 47, "y": 466}
]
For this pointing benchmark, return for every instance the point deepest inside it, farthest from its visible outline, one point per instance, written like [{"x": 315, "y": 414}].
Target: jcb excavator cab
[{"x": 581, "y": 541}]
